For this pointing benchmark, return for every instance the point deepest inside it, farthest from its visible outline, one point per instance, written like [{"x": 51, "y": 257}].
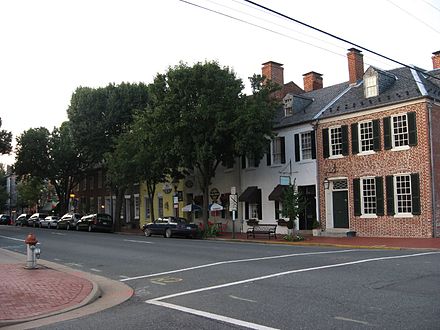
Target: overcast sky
[{"x": 50, "y": 47}]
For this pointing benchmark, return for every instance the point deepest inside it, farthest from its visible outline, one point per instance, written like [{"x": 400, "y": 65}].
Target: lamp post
[{"x": 326, "y": 184}]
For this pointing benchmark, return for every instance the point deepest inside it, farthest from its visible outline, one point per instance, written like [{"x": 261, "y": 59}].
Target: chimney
[
  {"x": 273, "y": 71},
  {"x": 355, "y": 65},
  {"x": 436, "y": 60},
  {"x": 312, "y": 81}
]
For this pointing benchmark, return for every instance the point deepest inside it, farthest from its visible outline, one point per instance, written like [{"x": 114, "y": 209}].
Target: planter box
[
  {"x": 351, "y": 234},
  {"x": 316, "y": 232}
]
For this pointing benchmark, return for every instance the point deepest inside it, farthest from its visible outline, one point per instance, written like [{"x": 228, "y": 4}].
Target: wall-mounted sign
[
  {"x": 167, "y": 188},
  {"x": 214, "y": 194}
]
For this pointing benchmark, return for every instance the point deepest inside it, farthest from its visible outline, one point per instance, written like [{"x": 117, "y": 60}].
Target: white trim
[{"x": 419, "y": 82}]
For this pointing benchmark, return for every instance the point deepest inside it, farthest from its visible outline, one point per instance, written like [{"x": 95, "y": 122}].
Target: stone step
[{"x": 335, "y": 232}]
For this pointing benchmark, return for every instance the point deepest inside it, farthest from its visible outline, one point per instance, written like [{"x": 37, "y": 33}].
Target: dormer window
[
  {"x": 371, "y": 87},
  {"x": 288, "y": 105}
]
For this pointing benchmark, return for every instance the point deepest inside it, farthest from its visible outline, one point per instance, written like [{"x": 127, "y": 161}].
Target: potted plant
[
  {"x": 293, "y": 204},
  {"x": 316, "y": 228}
]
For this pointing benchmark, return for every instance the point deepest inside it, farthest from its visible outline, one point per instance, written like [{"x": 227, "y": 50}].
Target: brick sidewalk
[{"x": 28, "y": 294}]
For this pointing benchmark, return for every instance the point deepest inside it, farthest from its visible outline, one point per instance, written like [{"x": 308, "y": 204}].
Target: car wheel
[
  {"x": 90, "y": 228},
  {"x": 147, "y": 232},
  {"x": 168, "y": 233}
]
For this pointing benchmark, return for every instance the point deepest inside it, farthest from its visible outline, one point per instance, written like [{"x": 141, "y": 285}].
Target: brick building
[{"x": 378, "y": 150}]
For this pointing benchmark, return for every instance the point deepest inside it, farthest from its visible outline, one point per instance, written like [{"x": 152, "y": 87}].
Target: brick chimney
[
  {"x": 355, "y": 65},
  {"x": 312, "y": 81},
  {"x": 436, "y": 60},
  {"x": 273, "y": 71}
]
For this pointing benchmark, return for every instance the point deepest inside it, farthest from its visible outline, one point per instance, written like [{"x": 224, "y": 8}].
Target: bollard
[{"x": 32, "y": 250}]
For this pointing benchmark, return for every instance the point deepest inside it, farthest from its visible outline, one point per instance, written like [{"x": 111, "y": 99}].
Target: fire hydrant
[{"x": 33, "y": 253}]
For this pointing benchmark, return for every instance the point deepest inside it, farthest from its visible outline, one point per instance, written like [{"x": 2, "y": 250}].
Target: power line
[
  {"x": 413, "y": 16},
  {"x": 430, "y": 4},
  {"x": 341, "y": 39}
]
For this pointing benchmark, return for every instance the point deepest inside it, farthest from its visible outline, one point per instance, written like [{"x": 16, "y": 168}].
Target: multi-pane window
[
  {"x": 370, "y": 84},
  {"x": 99, "y": 204},
  {"x": 368, "y": 196},
  {"x": 400, "y": 130},
  {"x": 253, "y": 208},
  {"x": 335, "y": 141},
  {"x": 252, "y": 161},
  {"x": 403, "y": 193},
  {"x": 99, "y": 179},
  {"x": 306, "y": 145},
  {"x": 147, "y": 208},
  {"x": 160, "y": 206},
  {"x": 366, "y": 136},
  {"x": 276, "y": 151}
]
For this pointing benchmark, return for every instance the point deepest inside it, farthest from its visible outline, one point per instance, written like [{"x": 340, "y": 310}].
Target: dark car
[
  {"x": 68, "y": 221},
  {"x": 171, "y": 226},
  {"x": 34, "y": 220},
  {"x": 5, "y": 219},
  {"x": 22, "y": 220},
  {"x": 97, "y": 221}
]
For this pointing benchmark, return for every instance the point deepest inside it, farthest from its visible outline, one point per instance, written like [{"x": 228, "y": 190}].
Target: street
[{"x": 205, "y": 284}]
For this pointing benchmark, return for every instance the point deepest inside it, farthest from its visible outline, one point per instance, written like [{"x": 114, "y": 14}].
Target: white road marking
[
  {"x": 73, "y": 264},
  {"x": 243, "y": 299},
  {"x": 55, "y": 233},
  {"x": 351, "y": 320},
  {"x": 288, "y": 273},
  {"x": 13, "y": 238},
  {"x": 134, "y": 241},
  {"x": 95, "y": 270},
  {"x": 212, "y": 316},
  {"x": 231, "y": 262},
  {"x": 123, "y": 276}
]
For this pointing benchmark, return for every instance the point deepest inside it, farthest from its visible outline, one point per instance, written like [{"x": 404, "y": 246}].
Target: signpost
[{"x": 233, "y": 206}]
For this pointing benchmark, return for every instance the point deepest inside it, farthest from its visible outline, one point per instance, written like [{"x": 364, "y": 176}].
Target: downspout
[
  {"x": 433, "y": 192},
  {"x": 318, "y": 182}
]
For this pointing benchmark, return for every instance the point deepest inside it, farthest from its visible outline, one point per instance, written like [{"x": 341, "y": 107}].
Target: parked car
[
  {"x": 5, "y": 219},
  {"x": 97, "y": 221},
  {"x": 34, "y": 220},
  {"x": 22, "y": 220},
  {"x": 68, "y": 221},
  {"x": 171, "y": 226},
  {"x": 50, "y": 221}
]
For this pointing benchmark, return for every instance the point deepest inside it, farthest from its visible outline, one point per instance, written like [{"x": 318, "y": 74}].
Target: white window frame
[
  {"x": 253, "y": 211},
  {"x": 394, "y": 134},
  {"x": 372, "y": 182},
  {"x": 250, "y": 162},
  {"x": 302, "y": 148},
  {"x": 332, "y": 143},
  {"x": 137, "y": 206},
  {"x": 408, "y": 198},
  {"x": 371, "y": 87},
  {"x": 361, "y": 139},
  {"x": 276, "y": 151}
]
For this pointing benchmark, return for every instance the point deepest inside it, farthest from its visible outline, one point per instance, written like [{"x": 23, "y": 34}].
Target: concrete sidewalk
[{"x": 51, "y": 293}]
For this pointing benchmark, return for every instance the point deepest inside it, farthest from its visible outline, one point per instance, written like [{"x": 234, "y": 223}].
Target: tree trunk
[
  {"x": 119, "y": 199},
  {"x": 151, "y": 189}
]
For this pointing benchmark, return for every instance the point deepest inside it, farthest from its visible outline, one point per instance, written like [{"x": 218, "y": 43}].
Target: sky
[{"x": 48, "y": 48}]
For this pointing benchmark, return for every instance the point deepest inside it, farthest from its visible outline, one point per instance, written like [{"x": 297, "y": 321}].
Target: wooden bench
[{"x": 263, "y": 229}]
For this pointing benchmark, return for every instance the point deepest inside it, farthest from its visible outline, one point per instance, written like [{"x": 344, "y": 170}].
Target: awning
[
  {"x": 250, "y": 195},
  {"x": 277, "y": 193}
]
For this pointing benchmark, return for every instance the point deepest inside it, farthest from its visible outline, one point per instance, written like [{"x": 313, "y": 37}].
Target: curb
[{"x": 94, "y": 294}]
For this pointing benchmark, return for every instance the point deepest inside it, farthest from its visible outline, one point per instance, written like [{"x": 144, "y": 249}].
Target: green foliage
[
  {"x": 211, "y": 230},
  {"x": 293, "y": 204},
  {"x": 5, "y": 141},
  {"x": 3, "y": 192},
  {"x": 30, "y": 191},
  {"x": 293, "y": 238}
]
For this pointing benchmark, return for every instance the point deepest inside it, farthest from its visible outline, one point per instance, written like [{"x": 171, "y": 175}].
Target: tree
[
  {"x": 3, "y": 191},
  {"x": 30, "y": 191},
  {"x": 293, "y": 204},
  {"x": 5, "y": 141},
  {"x": 211, "y": 121}
]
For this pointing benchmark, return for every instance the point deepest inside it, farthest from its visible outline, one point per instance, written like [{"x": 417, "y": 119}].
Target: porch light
[{"x": 326, "y": 184}]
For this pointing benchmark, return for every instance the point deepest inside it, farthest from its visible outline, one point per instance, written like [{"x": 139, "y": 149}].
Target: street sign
[
  {"x": 214, "y": 194},
  {"x": 233, "y": 202}
]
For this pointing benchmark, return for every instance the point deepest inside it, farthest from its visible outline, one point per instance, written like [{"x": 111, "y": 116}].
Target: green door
[{"x": 340, "y": 209}]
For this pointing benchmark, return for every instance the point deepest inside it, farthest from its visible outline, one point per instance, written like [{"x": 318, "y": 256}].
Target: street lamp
[{"x": 326, "y": 184}]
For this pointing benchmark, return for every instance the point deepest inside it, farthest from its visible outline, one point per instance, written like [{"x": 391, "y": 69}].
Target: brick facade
[
  {"x": 382, "y": 163},
  {"x": 435, "y": 135}
]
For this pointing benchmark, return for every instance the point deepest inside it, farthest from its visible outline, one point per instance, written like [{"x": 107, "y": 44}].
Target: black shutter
[
  {"x": 344, "y": 136},
  {"x": 313, "y": 141},
  {"x": 246, "y": 210},
  {"x": 243, "y": 161},
  {"x": 415, "y": 193},
  {"x": 376, "y": 135},
  {"x": 357, "y": 196},
  {"x": 260, "y": 206},
  {"x": 412, "y": 128},
  {"x": 268, "y": 154},
  {"x": 387, "y": 133},
  {"x": 297, "y": 151},
  {"x": 354, "y": 139},
  {"x": 325, "y": 143},
  {"x": 379, "y": 196},
  {"x": 277, "y": 212},
  {"x": 390, "y": 194},
  {"x": 283, "y": 149},
  {"x": 257, "y": 162}
]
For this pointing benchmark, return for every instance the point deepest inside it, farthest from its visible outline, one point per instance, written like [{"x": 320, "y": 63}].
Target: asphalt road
[{"x": 205, "y": 284}]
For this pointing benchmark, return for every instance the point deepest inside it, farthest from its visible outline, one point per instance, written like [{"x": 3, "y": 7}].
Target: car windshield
[{"x": 105, "y": 217}]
